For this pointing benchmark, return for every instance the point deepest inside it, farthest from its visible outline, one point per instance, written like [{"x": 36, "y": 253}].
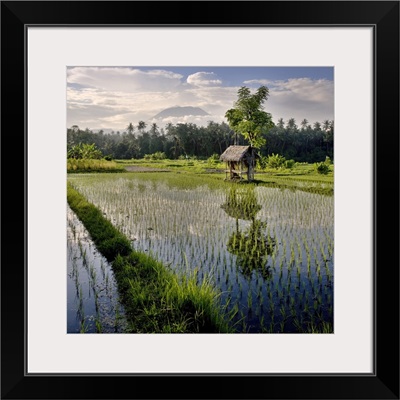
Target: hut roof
[{"x": 235, "y": 153}]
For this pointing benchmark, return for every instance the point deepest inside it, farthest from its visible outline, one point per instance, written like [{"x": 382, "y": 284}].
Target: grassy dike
[
  {"x": 88, "y": 165},
  {"x": 156, "y": 300}
]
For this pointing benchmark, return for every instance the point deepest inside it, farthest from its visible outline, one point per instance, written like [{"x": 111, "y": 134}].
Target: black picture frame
[{"x": 383, "y": 383}]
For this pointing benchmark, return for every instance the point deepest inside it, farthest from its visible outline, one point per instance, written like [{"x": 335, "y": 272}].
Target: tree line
[{"x": 304, "y": 143}]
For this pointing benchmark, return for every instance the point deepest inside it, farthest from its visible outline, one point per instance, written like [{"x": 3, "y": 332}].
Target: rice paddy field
[
  {"x": 269, "y": 251},
  {"x": 92, "y": 302}
]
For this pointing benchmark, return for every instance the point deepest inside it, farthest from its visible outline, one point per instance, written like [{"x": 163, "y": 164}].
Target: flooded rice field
[
  {"x": 269, "y": 251},
  {"x": 92, "y": 296}
]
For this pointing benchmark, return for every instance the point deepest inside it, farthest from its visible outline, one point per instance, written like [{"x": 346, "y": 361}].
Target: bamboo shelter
[{"x": 240, "y": 160}]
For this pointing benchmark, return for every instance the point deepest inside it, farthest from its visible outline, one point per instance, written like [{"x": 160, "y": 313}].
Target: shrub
[
  {"x": 321, "y": 168},
  {"x": 84, "y": 151},
  {"x": 261, "y": 162},
  {"x": 213, "y": 159},
  {"x": 275, "y": 161},
  {"x": 159, "y": 155},
  {"x": 289, "y": 164}
]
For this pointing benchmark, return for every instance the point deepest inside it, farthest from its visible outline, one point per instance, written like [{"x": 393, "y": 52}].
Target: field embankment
[
  {"x": 301, "y": 176},
  {"x": 156, "y": 299},
  {"x": 92, "y": 165}
]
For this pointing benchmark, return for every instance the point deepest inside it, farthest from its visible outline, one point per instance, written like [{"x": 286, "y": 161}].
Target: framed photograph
[{"x": 207, "y": 198}]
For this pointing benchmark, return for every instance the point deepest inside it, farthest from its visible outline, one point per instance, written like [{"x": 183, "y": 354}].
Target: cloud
[
  {"x": 264, "y": 82},
  {"x": 315, "y": 90},
  {"x": 214, "y": 96},
  {"x": 111, "y": 98},
  {"x": 201, "y": 79},
  {"x": 200, "y": 120},
  {"x": 301, "y": 98},
  {"x": 298, "y": 98},
  {"x": 304, "y": 89},
  {"x": 123, "y": 79}
]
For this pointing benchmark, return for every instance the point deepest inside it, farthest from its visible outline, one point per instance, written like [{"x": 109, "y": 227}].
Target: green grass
[
  {"x": 88, "y": 165},
  {"x": 108, "y": 239},
  {"x": 302, "y": 177},
  {"x": 312, "y": 184},
  {"x": 193, "y": 166},
  {"x": 156, "y": 300}
]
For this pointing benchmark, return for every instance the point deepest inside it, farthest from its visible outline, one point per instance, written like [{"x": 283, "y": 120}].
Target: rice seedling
[
  {"x": 92, "y": 274},
  {"x": 249, "y": 300},
  {"x": 85, "y": 295},
  {"x": 300, "y": 223},
  {"x": 84, "y": 327},
  {"x": 99, "y": 328}
]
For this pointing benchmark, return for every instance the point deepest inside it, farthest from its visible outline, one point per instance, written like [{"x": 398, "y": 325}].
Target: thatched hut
[{"x": 239, "y": 160}]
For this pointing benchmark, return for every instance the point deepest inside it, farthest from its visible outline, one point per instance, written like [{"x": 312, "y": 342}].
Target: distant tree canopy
[
  {"x": 248, "y": 117},
  {"x": 309, "y": 143}
]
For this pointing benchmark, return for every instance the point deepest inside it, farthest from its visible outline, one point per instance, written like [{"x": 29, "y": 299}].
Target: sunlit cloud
[
  {"x": 204, "y": 79},
  {"x": 264, "y": 82}
]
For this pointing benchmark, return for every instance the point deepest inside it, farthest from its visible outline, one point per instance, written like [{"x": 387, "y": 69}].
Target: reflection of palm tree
[
  {"x": 252, "y": 246},
  {"x": 241, "y": 204}
]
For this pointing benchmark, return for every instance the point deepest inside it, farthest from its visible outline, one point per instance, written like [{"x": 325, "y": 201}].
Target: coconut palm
[{"x": 130, "y": 128}]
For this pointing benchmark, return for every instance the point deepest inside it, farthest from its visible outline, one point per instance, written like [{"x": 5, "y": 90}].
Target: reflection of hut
[{"x": 239, "y": 160}]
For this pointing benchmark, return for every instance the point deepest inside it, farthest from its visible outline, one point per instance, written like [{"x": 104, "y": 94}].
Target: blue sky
[
  {"x": 235, "y": 76},
  {"x": 112, "y": 97}
]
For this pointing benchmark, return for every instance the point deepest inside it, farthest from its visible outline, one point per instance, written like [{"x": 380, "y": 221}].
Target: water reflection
[
  {"x": 92, "y": 296},
  {"x": 193, "y": 224},
  {"x": 253, "y": 245}
]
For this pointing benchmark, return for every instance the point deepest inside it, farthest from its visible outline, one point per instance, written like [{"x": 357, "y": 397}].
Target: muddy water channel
[
  {"x": 92, "y": 296},
  {"x": 268, "y": 250}
]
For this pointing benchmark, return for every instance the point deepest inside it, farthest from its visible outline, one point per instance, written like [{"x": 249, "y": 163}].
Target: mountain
[{"x": 178, "y": 111}]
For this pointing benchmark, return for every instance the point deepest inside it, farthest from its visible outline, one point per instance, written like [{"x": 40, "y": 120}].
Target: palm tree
[
  {"x": 326, "y": 125},
  {"x": 141, "y": 126},
  {"x": 130, "y": 128},
  {"x": 328, "y": 133},
  {"x": 154, "y": 129},
  {"x": 317, "y": 126},
  {"x": 291, "y": 125},
  {"x": 281, "y": 123},
  {"x": 177, "y": 147}
]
